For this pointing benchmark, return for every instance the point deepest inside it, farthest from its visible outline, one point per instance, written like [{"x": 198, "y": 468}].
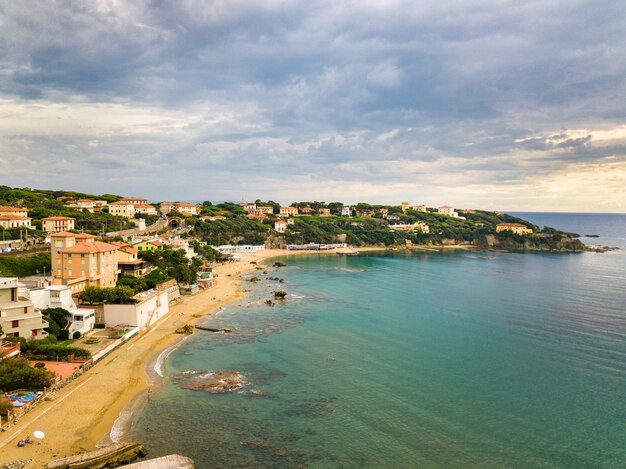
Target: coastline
[{"x": 122, "y": 381}]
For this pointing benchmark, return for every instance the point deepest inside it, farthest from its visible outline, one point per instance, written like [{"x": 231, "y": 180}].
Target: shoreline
[{"x": 122, "y": 381}]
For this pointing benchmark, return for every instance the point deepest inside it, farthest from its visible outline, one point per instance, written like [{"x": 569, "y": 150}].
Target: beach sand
[{"x": 83, "y": 413}]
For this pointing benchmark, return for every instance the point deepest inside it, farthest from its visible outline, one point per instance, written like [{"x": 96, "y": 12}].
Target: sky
[{"x": 493, "y": 104}]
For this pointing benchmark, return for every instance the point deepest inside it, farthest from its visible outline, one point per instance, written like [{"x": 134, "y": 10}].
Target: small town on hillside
[{"x": 80, "y": 275}]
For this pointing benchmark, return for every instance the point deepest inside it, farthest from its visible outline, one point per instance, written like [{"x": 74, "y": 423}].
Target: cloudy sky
[{"x": 511, "y": 105}]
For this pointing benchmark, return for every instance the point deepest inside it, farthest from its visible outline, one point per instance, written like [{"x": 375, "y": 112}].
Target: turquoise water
[{"x": 411, "y": 360}]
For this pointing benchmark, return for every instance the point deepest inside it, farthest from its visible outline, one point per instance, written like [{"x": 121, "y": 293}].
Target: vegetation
[
  {"x": 174, "y": 264},
  {"x": 16, "y": 373},
  {"x": 116, "y": 295},
  {"x": 139, "y": 284},
  {"x": 24, "y": 265}
]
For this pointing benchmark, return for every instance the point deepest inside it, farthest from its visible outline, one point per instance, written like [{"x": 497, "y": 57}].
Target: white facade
[
  {"x": 122, "y": 209},
  {"x": 178, "y": 243},
  {"x": 280, "y": 226},
  {"x": 18, "y": 316},
  {"x": 13, "y": 221},
  {"x": 346, "y": 211},
  {"x": 447, "y": 210},
  {"x": 60, "y": 296},
  {"x": 239, "y": 249},
  {"x": 152, "y": 305}
]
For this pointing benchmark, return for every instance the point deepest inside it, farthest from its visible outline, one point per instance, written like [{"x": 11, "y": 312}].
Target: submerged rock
[
  {"x": 215, "y": 382},
  {"x": 187, "y": 329},
  {"x": 280, "y": 295}
]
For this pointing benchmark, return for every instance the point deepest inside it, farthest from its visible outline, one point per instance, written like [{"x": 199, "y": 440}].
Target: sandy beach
[{"x": 83, "y": 413}]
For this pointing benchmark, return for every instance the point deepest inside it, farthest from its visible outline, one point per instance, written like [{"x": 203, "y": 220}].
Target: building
[
  {"x": 122, "y": 209},
  {"x": 248, "y": 206},
  {"x": 181, "y": 207},
  {"x": 57, "y": 224},
  {"x": 447, "y": 210},
  {"x": 134, "y": 200},
  {"x": 415, "y": 227},
  {"x": 146, "y": 209},
  {"x": 210, "y": 218},
  {"x": 149, "y": 245},
  {"x": 128, "y": 261},
  {"x": 182, "y": 244},
  {"x": 14, "y": 217},
  {"x": 79, "y": 261},
  {"x": 151, "y": 306},
  {"x": 346, "y": 211},
  {"x": 60, "y": 296},
  {"x": 405, "y": 206},
  {"x": 325, "y": 212},
  {"x": 420, "y": 208},
  {"x": 516, "y": 228},
  {"x": 280, "y": 226},
  {"x": 264, "y": 209},
  {"x": 288, "y": 211},
  {"x": 239, "y": 249},
  {"x": 18, "y": 316}
]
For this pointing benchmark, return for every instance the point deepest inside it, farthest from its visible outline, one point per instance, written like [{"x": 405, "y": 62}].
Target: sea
[{"x": 452, "y": 359}]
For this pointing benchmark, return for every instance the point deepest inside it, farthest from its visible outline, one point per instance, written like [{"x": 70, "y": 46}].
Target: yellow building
[
  {"x": 79, "y": 261},
  {"x": 516, "y": 228},
  {"x": 153, "y": 245}
]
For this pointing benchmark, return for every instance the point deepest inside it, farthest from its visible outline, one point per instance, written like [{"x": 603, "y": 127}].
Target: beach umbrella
[{"x": 38, "y": 434}]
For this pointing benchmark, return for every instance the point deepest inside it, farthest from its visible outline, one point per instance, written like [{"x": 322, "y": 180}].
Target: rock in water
[{"x": 216, "y": 382}]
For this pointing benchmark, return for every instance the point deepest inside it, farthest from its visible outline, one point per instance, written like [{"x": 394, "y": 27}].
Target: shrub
[
  {"x": 5, "y": 406},
  {"x": 64, "y": 334},
  {"x": 76, "y": 335},
  {"x": 16, "y": 373},
  {"x": 58, "y": 351},
  {"x": 40, "y": 365},
  {"x": 99, "y": 325}
]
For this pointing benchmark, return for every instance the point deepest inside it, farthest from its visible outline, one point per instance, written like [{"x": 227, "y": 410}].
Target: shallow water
[{"x": 411, "y": 360}]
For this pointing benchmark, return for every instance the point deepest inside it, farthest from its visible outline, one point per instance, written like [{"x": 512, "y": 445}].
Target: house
[
  {"x": 209, "y": 218},
  {"x": 134, "y": 200},
  {"x": 60, "y": 296},
  {"x": 149, "y": 245},
  {"x": 248, "y": 206},
  {"x": 146, "y": 209},
  {"x": 57, "y": 224},
  {"x": 415, "y": 227},
  {"x": 181, "y": 207},
  {"x": 79, "y": 261},
  {"x": 280, "y": 226},
  {"x": 288, "y": 211},
  {"x": 346, "y": 211},
  {"x": 325, "y": 212},
  {"x": 151, "y": 306},
  {"x": 384, "y": 212},
  {"x": 18, "y": 316},
  {"x": 81, "y": 205},
  {"x": 128, "y": 260},
  {"x": 405, "y": 206},
  {"x": 179, "y": 243},
  {"x": 447, "y": 210},
  {"x": 307, "y": 210},
  {"x": 516, "y": 228},
  {"x": 122, "y": 209},
  {"x": 364, "y": 212},
  {"x": 14, "y": 217},
  {"x": 420, "y": 208}
]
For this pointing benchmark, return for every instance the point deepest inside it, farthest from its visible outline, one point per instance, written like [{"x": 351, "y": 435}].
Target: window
[
  {"x": 25, "y": 309},
  {"x": 34, "y": 332},
  {"x": 15, "y": 323}
]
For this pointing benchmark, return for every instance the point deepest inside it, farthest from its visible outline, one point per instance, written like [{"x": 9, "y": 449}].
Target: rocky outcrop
[
  {"x": 115, "y": 455},
  {"x": 214, "y": 382}
]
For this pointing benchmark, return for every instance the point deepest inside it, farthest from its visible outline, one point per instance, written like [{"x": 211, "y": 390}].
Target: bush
[
  {"x": 58, "y": 351},
  {"x": 64, "y": 334},
  {"x": 16, "y": 373},
  {"x": 76, "y": 335},
  {"x": 40, "y": 365},
  {"x": 5, "y": 406},
  {"x": 99, "y": 325}
]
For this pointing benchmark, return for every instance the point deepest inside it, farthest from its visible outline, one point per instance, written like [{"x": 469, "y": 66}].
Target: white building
[
  {"x": 122, "y": 209},
  {"x": 18, "y": 316},
  {"x": 280, "y": 226},
  {"x": 60, "y": 296},
  {"x": 447, "y": 210},
  {"x": 346, "y": 211},
  {"x": 239, "y": 249},
  {"x": 146, "y": 209},
  {"x": 178, "y": 243},
  {"x": 151, "y": 306}
]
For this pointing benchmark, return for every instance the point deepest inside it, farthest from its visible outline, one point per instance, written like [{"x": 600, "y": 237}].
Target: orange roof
[
  {"x": 156, "y": 243},
  {"x": 84, "y": 200},
  {"x": 58, "y": 218},
  {"x": 95, "y": 246},
  {"x": 121, "y": 202},
  {"x": 63, "y": 234},
  {"x": 13, "y": 217},
  {"x": 184, "y": 204},
  {"x": 85, "y": 236},
  {"x": 143, "y": 206},
  {"x": 446, "y": 206},
  {"x": 8, "y": 208},
  {"x": 134, "y": 198}
]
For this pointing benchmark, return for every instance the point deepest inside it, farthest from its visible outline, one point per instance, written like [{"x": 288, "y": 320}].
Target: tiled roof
[
  {"x": 63, "y": 234},
  {"x": 57, "y": 218},
  {"x": 13, "y": 217},
  {"x": 85, "y": 236},
  {"x": 94, "y": 246}
]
